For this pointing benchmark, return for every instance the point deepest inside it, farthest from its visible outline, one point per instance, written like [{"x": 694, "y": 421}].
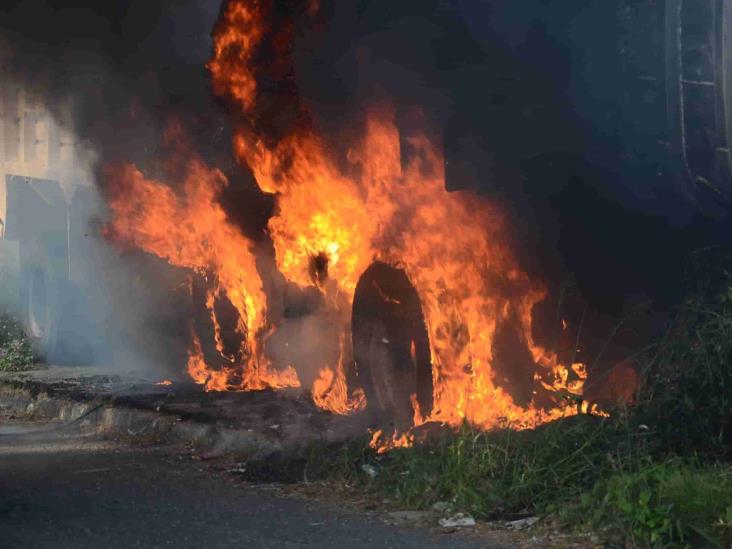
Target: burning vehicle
[
  {"x": 390, "y": 293},
  {"x": 451, "y": 260},
  {"x": 389, "y": 276}
]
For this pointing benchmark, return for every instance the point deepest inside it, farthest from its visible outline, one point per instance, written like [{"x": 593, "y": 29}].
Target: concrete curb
[{"x": 105, "y": 415}]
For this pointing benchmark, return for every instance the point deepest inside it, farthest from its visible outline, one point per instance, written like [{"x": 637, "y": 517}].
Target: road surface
[{"x": 62, "y": 489}]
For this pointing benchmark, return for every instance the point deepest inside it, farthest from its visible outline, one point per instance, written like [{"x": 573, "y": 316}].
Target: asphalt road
[{"x": 63, "y": 490}]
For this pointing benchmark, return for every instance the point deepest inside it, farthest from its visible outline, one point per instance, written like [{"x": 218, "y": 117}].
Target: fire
[
  {"x": 320, "y": 211},
  {"x": 450, "y": 245},
  {"x": 571, "y": 380},
  {"x": 330, "y": 391},
  {"x": 382, "y": 443},
  {"x": 344, "y": 209},
  {"x": 238, "y": 33},
  {"x": 193, "y": 231}
]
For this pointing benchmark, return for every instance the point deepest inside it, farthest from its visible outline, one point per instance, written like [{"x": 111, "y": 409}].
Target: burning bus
[
  {"x": 393, "y": 272},
  {"x": 413, "y": 298}
]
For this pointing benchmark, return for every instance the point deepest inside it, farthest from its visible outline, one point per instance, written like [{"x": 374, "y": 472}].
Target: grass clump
[
  {"x": 16, "y": 350},
  {"x": 614, "y": 475},
  {"x": 687, "y": 391},
  {"x": 498, "y": 473},
  {"x": 671, "y": 503},
  {"x": 587, "y": 472}
]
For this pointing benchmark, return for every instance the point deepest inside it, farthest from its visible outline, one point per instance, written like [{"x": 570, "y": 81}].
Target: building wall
[{"x": 34, "y": 143}]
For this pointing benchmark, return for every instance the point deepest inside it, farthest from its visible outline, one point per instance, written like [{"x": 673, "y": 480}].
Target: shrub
[
  {"x": 661, "y": 504},
  {"x": 686, "y": 395},
  {"x": 16, "y": 351}
]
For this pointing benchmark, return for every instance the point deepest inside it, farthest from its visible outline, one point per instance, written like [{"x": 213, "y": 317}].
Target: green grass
[
  {"x": 657, "y": 474},
  {"x": 669, "y": 503},
  {"x": 614, "y": 476},
  {"x": 491, "y": 474},
  {"x": 588, "y": 473}
]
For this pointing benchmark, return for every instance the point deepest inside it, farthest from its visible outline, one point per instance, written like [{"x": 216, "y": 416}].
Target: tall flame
[
  {"x": 193, "y": 231},
  {"x": 450, "y": 244},
  {"x": 350, "y": 208}
]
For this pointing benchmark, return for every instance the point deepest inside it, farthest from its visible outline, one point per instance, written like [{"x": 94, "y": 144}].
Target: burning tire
[{"x": 391, "y": 345}]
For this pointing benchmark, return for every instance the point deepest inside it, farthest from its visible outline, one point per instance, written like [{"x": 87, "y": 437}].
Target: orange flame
[
  {"x": 193, "y": 231},
  {"x": 238, "y": 34},
  {"x": 382, "y": 443},
  {"x": 330, "y": 391},
  {"x": 371, "y": 202},
  {"x": 450, "y": 244}
]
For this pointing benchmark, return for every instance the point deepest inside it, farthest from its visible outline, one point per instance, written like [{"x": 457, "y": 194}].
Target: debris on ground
[
  {"x": 522, "y": 524},
  {"x": 458, "y": 520},
  {"x": 370, "y": 470}
]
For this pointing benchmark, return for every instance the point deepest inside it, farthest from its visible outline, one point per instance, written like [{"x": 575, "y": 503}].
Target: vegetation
[
  {"x": 656, "y": 474},
  {"x": 664, "y": 503},
  {"x": 586, "y": 472},
  {"x": 16, "y": 350}
]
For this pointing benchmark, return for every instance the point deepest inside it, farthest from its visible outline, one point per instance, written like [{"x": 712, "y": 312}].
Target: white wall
[{"x": 35, "y": 143}]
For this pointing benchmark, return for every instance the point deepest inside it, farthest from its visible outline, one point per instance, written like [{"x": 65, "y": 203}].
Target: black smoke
[
  {"x": 125, "y": 66},
  {"x": 536, "y": 111}
]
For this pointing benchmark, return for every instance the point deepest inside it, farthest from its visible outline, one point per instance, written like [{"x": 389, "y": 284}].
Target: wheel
[
  {"x": 39, "y": 301},
  {"x": 390, "y": 345}
]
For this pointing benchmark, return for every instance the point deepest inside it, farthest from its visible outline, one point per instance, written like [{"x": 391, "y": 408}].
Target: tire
[
  {"x": 390, "y": 345},
  {"x": 39, "y": 300}
]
